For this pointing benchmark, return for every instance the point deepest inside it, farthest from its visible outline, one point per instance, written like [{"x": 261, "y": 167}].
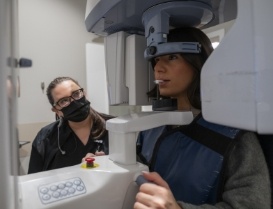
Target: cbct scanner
[{"x": 235, "y": 83}]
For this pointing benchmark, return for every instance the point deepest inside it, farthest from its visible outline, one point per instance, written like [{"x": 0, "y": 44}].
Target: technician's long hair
[
  {"x": 98, "y": 119},
  {"x": 190, "y": 34}
]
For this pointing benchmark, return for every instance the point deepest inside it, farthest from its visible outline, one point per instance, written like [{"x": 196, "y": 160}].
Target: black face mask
[{"x": 77, "y": 110}]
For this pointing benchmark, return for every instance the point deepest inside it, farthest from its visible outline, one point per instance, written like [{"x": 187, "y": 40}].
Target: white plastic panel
[
  {"x": 138, "y": 76},
  {"x": 115, "y": 68},
  {"x": 101, "y": 187},
  {"x": 123, "y": 129},
  {"x": 235, "y": 81},
  {"x": 264, "y": 64}
]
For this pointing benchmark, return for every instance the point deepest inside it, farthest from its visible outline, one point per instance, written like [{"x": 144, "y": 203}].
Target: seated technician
[{"x": 79, "y": 130}]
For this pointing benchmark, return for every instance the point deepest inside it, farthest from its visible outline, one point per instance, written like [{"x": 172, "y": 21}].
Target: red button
[{"x": 89, "y": 162}]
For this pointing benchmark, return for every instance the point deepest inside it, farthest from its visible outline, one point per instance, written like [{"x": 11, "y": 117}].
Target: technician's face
[
  {"x": 176, "y": 73},
  {"x": 62, "y": 90}
]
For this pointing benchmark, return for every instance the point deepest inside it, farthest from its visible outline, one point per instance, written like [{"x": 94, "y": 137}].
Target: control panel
[{"x": 60, "y": 190}]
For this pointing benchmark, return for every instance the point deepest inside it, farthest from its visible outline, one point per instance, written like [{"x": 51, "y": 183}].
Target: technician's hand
[
  {"x": 157, "y": 195},
  {"x": 93, "y": 155}
]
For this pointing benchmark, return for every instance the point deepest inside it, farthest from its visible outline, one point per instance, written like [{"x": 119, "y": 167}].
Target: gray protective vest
[{"x": 190, "y": 158}]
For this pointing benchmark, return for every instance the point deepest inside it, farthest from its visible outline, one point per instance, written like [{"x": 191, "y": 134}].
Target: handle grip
[{"x": 141, "y": 180}]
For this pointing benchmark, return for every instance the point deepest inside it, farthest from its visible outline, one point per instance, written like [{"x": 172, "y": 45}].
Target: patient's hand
[{"x": 155, "y": 195}]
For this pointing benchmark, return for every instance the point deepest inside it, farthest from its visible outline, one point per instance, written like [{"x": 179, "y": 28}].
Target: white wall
[{"x": 52, "y": 33}]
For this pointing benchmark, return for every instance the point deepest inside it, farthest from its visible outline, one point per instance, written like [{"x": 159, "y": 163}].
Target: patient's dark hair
[{"x": 190, "y": 34}]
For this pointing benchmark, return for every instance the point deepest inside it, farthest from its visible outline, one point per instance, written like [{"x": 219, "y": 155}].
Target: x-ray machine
[{"x": 235, "y": 83}]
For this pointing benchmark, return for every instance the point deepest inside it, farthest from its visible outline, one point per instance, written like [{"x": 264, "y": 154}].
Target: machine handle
[
  {"x": 141, "y": 180},
  {"x": 24, "y": 62}
]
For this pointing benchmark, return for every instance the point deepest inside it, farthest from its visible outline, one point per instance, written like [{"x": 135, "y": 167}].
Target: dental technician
[{"x": 78, "y": 131}]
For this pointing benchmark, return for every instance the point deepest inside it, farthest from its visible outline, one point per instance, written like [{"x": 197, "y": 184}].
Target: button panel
[{"x": 60, "y": 190}]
